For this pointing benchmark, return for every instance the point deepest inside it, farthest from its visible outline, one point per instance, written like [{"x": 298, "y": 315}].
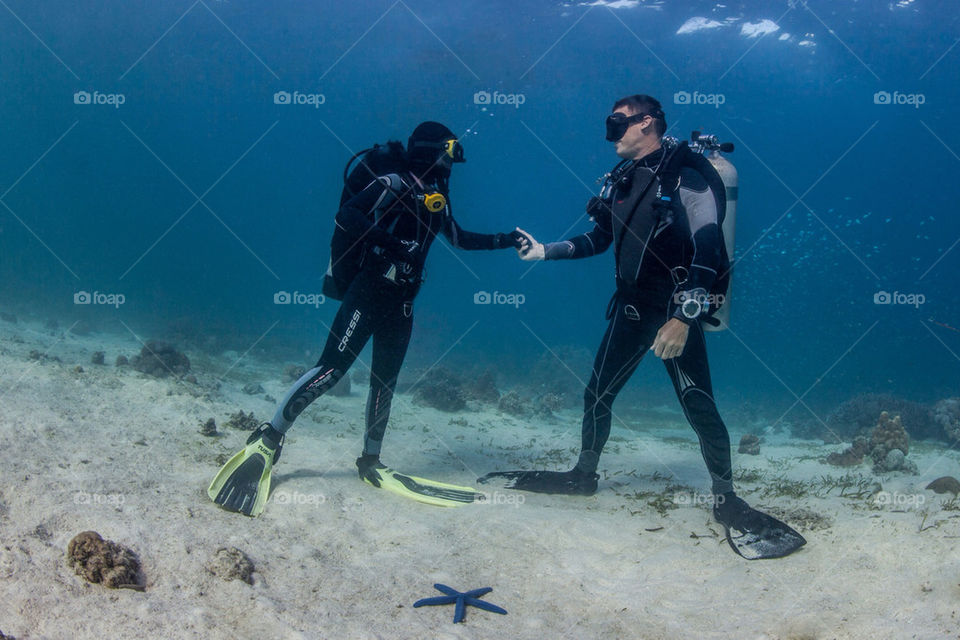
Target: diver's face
[{"x": 632, "y": 141}]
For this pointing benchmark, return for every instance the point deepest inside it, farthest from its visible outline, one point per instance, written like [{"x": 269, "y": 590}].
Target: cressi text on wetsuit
[{"x": 397, "y": 231}]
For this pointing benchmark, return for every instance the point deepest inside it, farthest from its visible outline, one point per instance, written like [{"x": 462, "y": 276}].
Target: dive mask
[
  {"x": 618, "y": 123},
  {"x": 452, "y": 150}
]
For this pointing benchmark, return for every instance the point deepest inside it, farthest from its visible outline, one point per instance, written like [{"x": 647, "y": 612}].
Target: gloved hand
[
  {"x": 401, "y": 251},
  {"x": 529, "y": 248},
  {"x": 506, "y": 240},
  {"x": 403, "y": 260}
]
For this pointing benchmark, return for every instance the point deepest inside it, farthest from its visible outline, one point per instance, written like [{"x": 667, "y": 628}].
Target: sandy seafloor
[{"x": 112, "y": 450}]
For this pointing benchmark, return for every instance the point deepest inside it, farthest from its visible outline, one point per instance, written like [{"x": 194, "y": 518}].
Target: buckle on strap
[
  {"x": 631, "y": 312},
  {"x": 679, "y": 275}
]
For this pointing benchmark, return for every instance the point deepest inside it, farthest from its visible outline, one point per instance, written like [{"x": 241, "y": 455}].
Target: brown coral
[
  {"x": 242, "y": 421},
  {"x": 889, "y": 434},
  {"x": 853, "y": 455},
  {"x": 103, "y": 561},
  {"x": 159, "y": 359},
  {"x": 947, "y": 414},
  {"x": 889, "y": 444},
  {"x": 231, "y": 563}
]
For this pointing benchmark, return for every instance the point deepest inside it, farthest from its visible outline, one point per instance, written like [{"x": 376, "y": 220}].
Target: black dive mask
[
  {"x": 449, "y": 151},
  {"x": 618, "y": 123}
]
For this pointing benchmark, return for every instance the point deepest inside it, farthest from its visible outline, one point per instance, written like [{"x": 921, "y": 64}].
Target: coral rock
[
  {"x": 887, "y": 437},
  {"x": 484, "y": 388},
  {"x": 209, "y": 428},
  {"x": 159, "y": 359},
  {"x": 442, "y": 390},
  {"x": 512, "y": 403},
  {"x": 853, "y": 455},
  {"x": 103, "y": 561},
  {"x": 242, "y": 421},
  {"x": 858, "y": 415},
  {"x": 947, "y": 414},
  {"x": 548, "y": 403},
  {"x": 252, "y": 388},
  {"x": 231, "y": 563},
  {"x": 293, "y": 372}
]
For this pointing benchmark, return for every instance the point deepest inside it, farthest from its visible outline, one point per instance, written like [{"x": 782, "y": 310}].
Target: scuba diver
[
  {"x": 379, "y": 246},
  {"x": 662, "y": 211}
]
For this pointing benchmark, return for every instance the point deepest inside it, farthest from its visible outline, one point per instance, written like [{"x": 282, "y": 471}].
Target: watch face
[{"x": 691, "y": 308}]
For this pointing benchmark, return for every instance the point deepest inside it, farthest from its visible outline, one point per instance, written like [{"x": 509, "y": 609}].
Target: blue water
[{"x": 105, "y": 198}]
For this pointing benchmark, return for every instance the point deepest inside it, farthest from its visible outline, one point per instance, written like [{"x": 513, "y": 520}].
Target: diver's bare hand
[
  {"x": 529, "y": 248},
  {"x": 671, "y": 339}
]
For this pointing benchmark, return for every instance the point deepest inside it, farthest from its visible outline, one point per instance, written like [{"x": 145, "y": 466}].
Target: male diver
[
  {"x": 660, "y": 211},
  {"x": 393, "y": 222}
]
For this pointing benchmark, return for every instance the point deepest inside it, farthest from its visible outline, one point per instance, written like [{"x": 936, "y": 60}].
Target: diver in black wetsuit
[
  {"x": 668, "y": 252},
  {"x": 379, "y": 303},
  {"x": 396, "y": 218}
]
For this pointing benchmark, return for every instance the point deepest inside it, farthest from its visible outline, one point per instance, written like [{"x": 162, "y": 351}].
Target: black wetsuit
[
  {"x": 662, "y": 254},
  {"x": 397, "y": 232}
]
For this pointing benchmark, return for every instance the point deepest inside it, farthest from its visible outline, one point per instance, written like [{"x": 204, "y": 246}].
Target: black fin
[
  {"x": 755, "y": 535},
  {"x": 559, "y": 482}
]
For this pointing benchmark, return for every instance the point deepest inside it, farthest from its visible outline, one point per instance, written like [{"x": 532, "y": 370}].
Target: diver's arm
[
  {"x": 471, "y": 241},
  {"x": 353, "y": 217},
  {"x": 701, "y": 209},
  {"x": 595, "y": 241}
]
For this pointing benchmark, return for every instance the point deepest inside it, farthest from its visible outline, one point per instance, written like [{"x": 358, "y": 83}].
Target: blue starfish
[{"x": 461, "y": 600}]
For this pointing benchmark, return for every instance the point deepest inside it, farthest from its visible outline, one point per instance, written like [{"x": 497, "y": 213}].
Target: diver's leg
[
  {"x": 690, "y": 374},
  {"x": 750, "y": 533},
  {"x": 390, "y": 342},
  {"x": 624, "y": 345},
  {"x": 349, "y": 333}
]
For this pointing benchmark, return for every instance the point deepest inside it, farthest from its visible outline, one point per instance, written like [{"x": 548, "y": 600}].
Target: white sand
[{"x": 113, "y": 451}]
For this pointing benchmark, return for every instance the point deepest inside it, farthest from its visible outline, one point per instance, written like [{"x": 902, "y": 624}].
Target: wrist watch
[{"x": 691, "y": 308}]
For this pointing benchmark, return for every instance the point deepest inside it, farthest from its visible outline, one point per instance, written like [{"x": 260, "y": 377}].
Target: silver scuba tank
[{"x": 728, "y": 173}]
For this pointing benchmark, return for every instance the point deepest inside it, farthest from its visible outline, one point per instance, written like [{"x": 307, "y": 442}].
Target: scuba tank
[
  {"x": 728, "y": 173},
  {"x": 346, "y": 253}
]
